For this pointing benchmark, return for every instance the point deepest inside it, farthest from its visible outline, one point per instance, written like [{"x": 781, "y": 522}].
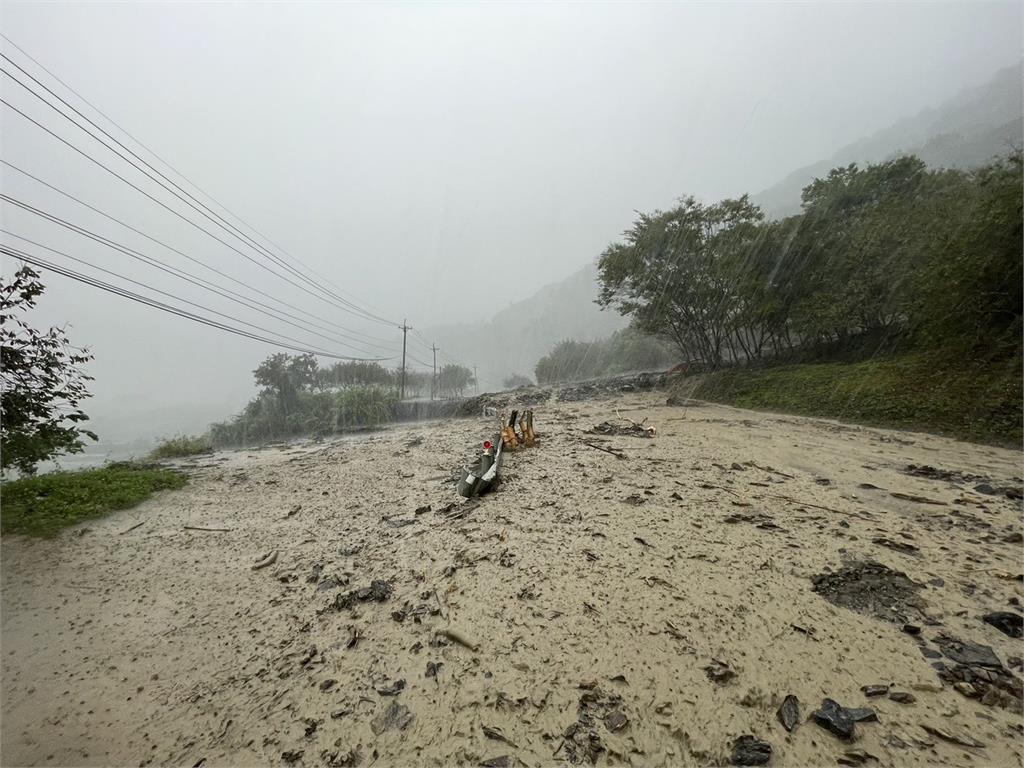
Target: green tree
[
  {"x": 453, "y": 380},
  {"x": 41, "y": 382}
]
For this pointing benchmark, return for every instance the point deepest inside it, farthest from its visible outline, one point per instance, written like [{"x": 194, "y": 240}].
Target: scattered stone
[
  {"x": 392, "y": 690},
  {"x": 433, "y": 667},
  {"x": 748, "y": 750},
  {"x": 966, "y": 689},
  {"x": 870, "y": 588},
  {"x": 930, "y": 653},
  {"x": 502, "y": 761},
  {"x": 616, "y": 720},
  {"x": 326, "y": 685},
  {"x": 855, "y": 757},
  {"x": 719, "y": 672},
  {"x": 292, "y": 756},
  {"x": 492, "y": 732},
  {"x": 1008, "y": 623},
  {"x": 970, "y": 654},
  {"x": 789, "y": 713},
  {"x": 378, "y": 591},
  {"x": 422, "y": 510},
  {"x": 874, "y": 690},
  {"x": 902, "y": 697},
  {"x": 1014, "y": 538},
  {"x": 912, "y": 629},
  {"x": 840, "y": 720},
  {"x": 953, "y": 738},
  {"x": 862, "y": 714},
  {"x": 899, "y": 546},
  {"x": 917, "y": 499},
  {"x": 395, "y": 717}
]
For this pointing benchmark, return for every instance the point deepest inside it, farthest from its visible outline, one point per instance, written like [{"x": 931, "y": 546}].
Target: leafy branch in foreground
[{"x": 41, "y": 382}]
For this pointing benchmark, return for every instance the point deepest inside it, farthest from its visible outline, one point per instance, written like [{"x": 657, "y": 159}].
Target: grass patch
[
  {"x": 977, "y": 401},
  {"x": 181, "y": 445},
  {"x": 43, "y": 505}
]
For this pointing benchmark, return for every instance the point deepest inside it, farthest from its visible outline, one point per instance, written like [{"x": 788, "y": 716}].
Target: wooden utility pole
[
  {"x": 433, "y": 380},
  {"x": 476, "y": 383},
  {"x": 405, "y": 330}
]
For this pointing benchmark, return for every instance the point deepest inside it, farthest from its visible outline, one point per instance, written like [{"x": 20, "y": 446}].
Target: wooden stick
[
  {"x": 606, "y": 450},
  {"x": 201, "y": 528},
  {"x": 129, "y": 530}
]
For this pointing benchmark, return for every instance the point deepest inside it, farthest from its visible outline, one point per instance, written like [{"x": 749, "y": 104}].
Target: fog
[{"x": 436, "y": 162}]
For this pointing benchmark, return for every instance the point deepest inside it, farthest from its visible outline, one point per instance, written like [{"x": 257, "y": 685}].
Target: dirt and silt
[{"x": 741, "y": 587}]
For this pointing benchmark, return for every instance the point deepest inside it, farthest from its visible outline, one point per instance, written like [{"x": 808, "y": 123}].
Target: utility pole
[
  {"x": 433, "y": 380},
  {"x": 405, "y": 330},
  {"x": 476, "y": 383}
]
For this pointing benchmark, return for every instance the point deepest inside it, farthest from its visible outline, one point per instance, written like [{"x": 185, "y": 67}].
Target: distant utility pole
[
  {"x": 476, "y": 383},
  {"x": 433, "y": 379},
  {"x": 405, "y": 330}
]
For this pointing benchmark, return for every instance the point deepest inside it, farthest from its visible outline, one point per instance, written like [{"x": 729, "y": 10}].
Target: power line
[
  {"x": 174, "y": 170},
  {"x": 216, "y": 218},
  {"x": 362, "y": 337},
  {"x": 231, "y": 295},
  {"x": 194, "y": 282},
  {"x": 165, "y": 307},
  {"x": 164, "y": 293},
  {"x": 167, "y": 207}
]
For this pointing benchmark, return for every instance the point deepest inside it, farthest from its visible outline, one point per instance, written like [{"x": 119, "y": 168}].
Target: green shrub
[{"x": 182, "y": 445}]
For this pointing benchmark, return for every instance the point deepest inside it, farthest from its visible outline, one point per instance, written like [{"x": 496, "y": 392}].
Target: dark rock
[
  {"x": 719, "y": 672},
  {"x": 902, "y": 697},
  {"x": 392, "y": 690},
  {"x": 616, "y": 720},
  {"x": 789, "y": 713},
  {"x": 395, "y": 717},
  {"x": 835, "y": 718},
  {"x": 855, "y": 757},
  {"x": 942, "y": 733},
  {"x": 433, "y": 667},
  {"x": 502, "y": 761},
  {"x": 899, "y": 546},
  {"x": 378, "y": 591},
  {"x": 292, "y": 756},
  {"x": 748, "y": 750},
  {"x": 862, "y": 714},
  {"x": 970, "y": 654},
  {"x": 986, "y": 489},
  {"x": 326, "y": 685},
  {"x": 930, "y": 653},
  {"x": 1008, "y": 623},
  {"x": 912, "y": 629},
  {"x": 1014, "y": 538},
  {"x": 874, "y": 690}
]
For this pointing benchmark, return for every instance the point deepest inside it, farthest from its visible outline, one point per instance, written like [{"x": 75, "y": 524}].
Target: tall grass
[{"x": 182, "y": 445}]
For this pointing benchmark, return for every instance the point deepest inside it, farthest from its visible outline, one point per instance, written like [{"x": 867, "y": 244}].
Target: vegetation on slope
[
  {"x": 43, "y": 505},
  {"x": 181, "y": 446}
]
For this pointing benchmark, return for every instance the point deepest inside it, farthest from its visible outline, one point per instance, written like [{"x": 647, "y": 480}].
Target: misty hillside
[
  {"x": 963, "y": 132},
  {"x": 514, "y": 339}
]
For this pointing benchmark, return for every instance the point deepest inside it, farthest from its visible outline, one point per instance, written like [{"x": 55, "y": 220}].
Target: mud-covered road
[{"x": 647, "y": 610}]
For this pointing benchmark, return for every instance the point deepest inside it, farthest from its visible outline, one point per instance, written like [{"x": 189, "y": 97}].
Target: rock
[
  {"x": 970, "y": 654},
  {"x": 719, "y": 672},
  {"x": 832, "y": 717},
  {"x": 870, "y": 588},
  {"x": 986, "y": 489},
  {"x": 912, "y": 629},
  {"x": 392, "y": 690},
  {"x": 966, "y": 689},
  {"x": 748, "y": 750},
  {"x": 292, "y": 756},
  {"x": 1008, "y": 623},
  {"x": 616, "y": 720},
  {"x": 902, "y": 697},
  {"x": 502, "y": 761},
  {"x": 942, "y": 733},
  {"x": 789, "y": 713},
  {"x": 862, "y": 714},
  {"x": 433, "y": 667},
  {"x": 855, "y": 757},
  {"x": 326, "y": 685},
  {"x": 930, "y": 653},
  {"x": 395, "y": 717},
  {"x": 1014, "y": 538},
  {"x": 874, "y": 690}
]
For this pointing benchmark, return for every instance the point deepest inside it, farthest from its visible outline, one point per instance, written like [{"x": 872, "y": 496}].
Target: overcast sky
[{"x": 436, "y": 161}]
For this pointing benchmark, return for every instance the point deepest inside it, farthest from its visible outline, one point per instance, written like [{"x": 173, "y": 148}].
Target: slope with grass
[
  {"x": 42, "y": 506},
  {"x": 978, "y": 401}
]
